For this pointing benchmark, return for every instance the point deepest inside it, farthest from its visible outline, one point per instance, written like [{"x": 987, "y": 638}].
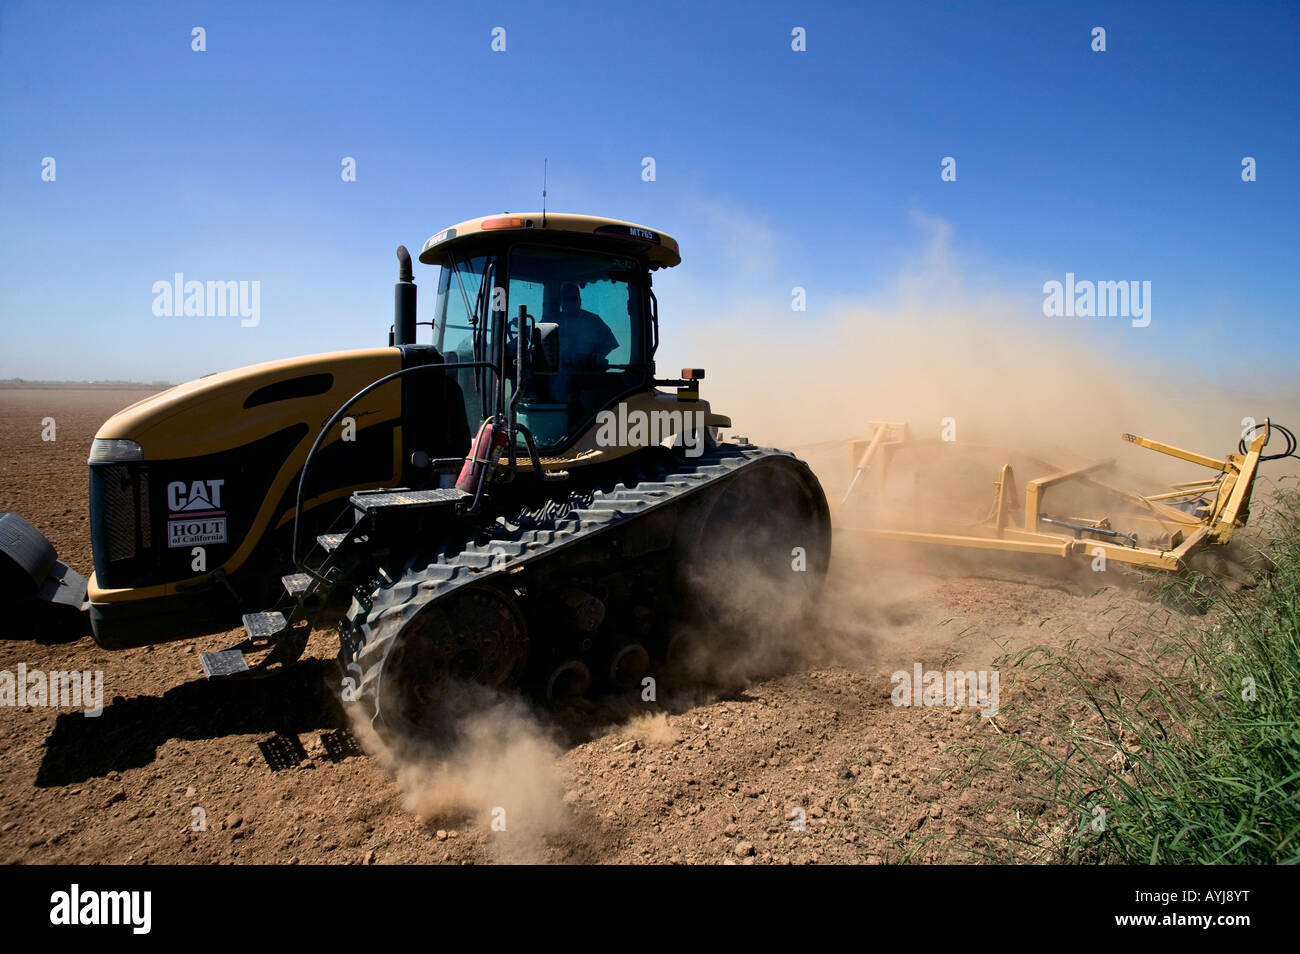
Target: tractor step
[
  {"x": 296, "y": 584},
  {"x": 329, "y": 542},
  {"x": 367, "y": 502},
  {"x": 225, "y": 663},
  {"x": 264, "y": 625}
]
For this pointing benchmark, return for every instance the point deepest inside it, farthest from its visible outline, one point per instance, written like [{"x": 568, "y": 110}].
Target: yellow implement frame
[{"x": 1212, "y": 508}]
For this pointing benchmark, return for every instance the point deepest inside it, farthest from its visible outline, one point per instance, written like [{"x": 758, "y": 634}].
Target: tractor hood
[
  {"x": 230, "y": 408},
  {"x": 216, "y": 471}
]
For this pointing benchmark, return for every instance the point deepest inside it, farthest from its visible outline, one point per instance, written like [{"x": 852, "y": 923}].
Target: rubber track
[{"x": 374, "y": 628}]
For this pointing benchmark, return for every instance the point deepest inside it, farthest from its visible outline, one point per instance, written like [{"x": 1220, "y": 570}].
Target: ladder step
[
  {"x": 225, "y": 663},
  {"x": 264, "y": 625},
  {"x": 368, "y": 501},
  {"x": 296, "y": 584},
  {"x": 331, "y": 541}
]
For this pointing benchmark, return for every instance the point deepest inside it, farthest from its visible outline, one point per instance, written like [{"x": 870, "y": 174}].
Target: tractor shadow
[
  {"x": 302, "y": 699},
  {"x": 129, "y": 732},
  {"x": 45, "y": 624}
]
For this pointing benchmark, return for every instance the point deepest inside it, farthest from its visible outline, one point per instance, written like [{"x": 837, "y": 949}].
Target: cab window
[{"x": 596, "y": 301}]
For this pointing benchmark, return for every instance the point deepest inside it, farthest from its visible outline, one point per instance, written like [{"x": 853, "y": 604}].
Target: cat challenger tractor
[{"x": 520, "y": 502}]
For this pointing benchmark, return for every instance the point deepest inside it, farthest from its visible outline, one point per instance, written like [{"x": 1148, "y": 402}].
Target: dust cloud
[
  {"x": 652, "y": 729},
  {"x": 937, "y": 350},
  {"x": 938, "y": 346},
  {"x": 494, "y": 765}
]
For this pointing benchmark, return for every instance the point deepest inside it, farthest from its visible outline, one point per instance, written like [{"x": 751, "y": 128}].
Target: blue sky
[{"x": 774, "y": 168}]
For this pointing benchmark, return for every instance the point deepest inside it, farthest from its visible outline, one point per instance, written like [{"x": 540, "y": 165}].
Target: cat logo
[
  {"x": 195, "y": 512},
  {"x": 201, "y": 495}
]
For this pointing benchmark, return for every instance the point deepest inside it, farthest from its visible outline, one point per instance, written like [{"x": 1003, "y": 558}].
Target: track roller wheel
[{"x": 417, "y": 656}]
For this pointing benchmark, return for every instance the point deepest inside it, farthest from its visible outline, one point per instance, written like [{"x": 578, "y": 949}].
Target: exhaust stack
[{"x": 403, "y": 301}]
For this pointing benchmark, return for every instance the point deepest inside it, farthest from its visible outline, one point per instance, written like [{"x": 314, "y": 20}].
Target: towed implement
[
  {"x": 520, "y": 501},
  {"x": 1065, "y": 511}
]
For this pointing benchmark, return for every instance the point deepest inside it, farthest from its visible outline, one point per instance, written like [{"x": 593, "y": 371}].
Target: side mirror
[{"x": 544, "y": 355}]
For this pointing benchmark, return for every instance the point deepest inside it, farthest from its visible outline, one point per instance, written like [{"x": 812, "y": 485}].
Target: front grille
[
  {"x": 118, "y": 497},
  {"x": 120, "y": 528}
]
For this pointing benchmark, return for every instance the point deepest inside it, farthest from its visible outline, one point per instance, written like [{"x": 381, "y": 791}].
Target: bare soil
[{"x": 806, "y": 762}]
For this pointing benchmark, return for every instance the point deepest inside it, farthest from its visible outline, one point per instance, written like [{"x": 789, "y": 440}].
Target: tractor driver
[{"x": 585, "y": 339}]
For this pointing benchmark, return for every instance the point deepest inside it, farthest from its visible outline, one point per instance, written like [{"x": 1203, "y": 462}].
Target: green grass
[{"x": 1178, "y": 742}]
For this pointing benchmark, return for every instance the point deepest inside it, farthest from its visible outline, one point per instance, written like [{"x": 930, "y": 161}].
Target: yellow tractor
[{"x": 520, "y": 500}]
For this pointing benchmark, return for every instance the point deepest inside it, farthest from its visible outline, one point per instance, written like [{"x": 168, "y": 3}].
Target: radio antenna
[{"x": 544, "y": 162}]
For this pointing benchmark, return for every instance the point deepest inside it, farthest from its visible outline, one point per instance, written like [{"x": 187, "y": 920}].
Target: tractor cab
[{"x": 584, "y": 280}]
